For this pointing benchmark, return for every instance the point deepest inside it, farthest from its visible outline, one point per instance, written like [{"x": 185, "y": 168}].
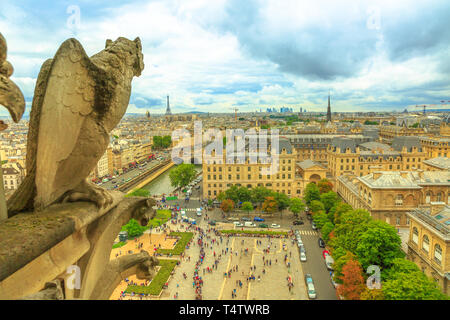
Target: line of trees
[
  {"x": 260, "y": 198},
  {"x": 357, "y": 241},
  {"x": 161, "y": 142}
]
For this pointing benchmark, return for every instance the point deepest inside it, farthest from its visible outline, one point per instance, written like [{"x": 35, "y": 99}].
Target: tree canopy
[
  {"x": 311, "y": 193},
  {"x": 182, "y": 175}
]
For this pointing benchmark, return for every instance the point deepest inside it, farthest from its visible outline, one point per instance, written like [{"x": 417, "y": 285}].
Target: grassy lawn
[
  {"x": 185, "y": 237},
  {"x": 155, "y": 286},
  {"x": 262, "y": 232},
  {"x": 161, "y": 217}
]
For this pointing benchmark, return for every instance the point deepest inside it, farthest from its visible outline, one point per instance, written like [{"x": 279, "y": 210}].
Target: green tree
[
  {"x": 398, "y": 266},
  {"x": 282, "y": 200},
  {"x": 316, "y": 206},
  {"x": 247, "y": 206},
  {"x": 320, "y": 219},
  {"x": 379, "y": 245},
  {"x": 221, "y": 196},
  {"x": 232, "y": 193},
  {"x": 338, "y": 210},
  {"x": 182, "y": 175},
  {"x": 329, "y": 200},
  {"x": 412, "y": 286},
  {"x": 259, "y": 194},
  {"x": 244, "y": 194},
  {"x": 348, "y": 232},
  {"x": 296, "y": 206},
  {"x": 325, "y": 186},
  {"x": 166, "y": 141},
  {"x": 326, "y": 230},
  {"x": 372, "y": 294},
  {"x": 311, "y": 193},
  {"x": 133, "y": 228}
]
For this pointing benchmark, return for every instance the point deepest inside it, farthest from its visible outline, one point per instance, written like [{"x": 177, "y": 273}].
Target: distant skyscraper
[
  {"x": 301, "y": 109},
  {"x": 168, "y": 112},
  {"x": 329, "y": 109}
]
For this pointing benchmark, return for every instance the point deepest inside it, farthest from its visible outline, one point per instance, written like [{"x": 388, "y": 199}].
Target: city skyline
[{"x": 212, "y": 57}]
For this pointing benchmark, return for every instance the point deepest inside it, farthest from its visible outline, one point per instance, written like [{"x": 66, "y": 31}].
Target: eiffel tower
[{"x": 168, "y": 112}]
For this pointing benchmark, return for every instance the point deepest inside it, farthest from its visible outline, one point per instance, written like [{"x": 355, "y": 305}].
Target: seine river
[{"x": 162, "y": 184}]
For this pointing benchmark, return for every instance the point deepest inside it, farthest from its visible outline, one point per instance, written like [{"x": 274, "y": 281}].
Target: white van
[
  {"x": 249, "y": 224},
  {"x": 329, "y": 262}
]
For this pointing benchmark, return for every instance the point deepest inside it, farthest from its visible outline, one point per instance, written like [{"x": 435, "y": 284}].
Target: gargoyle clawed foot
[{"x": 89, "y": 192}]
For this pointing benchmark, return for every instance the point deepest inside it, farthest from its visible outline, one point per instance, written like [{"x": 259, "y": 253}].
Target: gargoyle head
[
  {"x": 147, "y": 269},
  {"x": 131, "y": 51},
  {"x": 10, "y": 95},
  {"x": 145, "y": 211}
]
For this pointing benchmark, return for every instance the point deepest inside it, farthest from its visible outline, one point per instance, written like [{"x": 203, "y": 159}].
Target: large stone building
[
  {"x": 436, "y": 146},
  {"x": 388, "y": 133},
  {"x": 437, "y": 164},
  {"x": 389, "y": 195},
  {"x": 291, "y": 178},
  {"x": 346, "y": 156},
  {"x": 429, "y": 242}
]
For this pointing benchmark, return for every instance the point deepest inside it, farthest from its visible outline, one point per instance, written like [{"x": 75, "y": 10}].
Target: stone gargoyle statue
[
  {"x": 10, "y": 95},
  {"x": 77, "y": 102}
]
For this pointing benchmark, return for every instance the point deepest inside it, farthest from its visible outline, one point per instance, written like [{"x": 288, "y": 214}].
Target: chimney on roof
[
  {"x": 404, "y": 174},
  {"x": 436, "y": 207},
  {"x": 420, "y": 172},
  {"x": 376, "y": 175}
]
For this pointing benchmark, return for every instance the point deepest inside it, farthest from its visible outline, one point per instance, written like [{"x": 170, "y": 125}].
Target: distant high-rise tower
[
  {"x": 329, "y": 109},
  {"x": 168, "y": 112}
]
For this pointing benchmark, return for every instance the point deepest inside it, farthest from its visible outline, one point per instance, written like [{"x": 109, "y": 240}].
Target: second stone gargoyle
[{"x": 77, "y": 102}]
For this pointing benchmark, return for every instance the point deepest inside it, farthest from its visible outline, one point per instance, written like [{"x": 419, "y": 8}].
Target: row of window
[
  {"x": 249, "y": 177},
  {"x": 425, "y": 246}
]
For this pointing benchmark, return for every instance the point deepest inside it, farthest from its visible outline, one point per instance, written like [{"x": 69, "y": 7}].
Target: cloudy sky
[{"x": 215, "y": 55}]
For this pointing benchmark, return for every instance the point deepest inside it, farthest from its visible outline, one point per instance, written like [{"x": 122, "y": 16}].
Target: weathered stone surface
[
  {"x": 26, "y": 236},
  {"x": 77, "y": 102},
  {"x": 51, "y": 291}
]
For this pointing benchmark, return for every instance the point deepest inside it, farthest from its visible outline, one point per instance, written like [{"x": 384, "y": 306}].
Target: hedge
[
  {"x": 157, "y": 283},
  {"x": 255, "y": 232},
  {"x": 119, "y": 244},
  {"x": 185, "y": 237}
]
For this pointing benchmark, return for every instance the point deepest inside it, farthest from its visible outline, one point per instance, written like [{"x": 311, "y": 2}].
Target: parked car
[
  {"x": 310, "y": 286},
  {"x": 300, "y": 243},
  {"x": 321, "y": 243},
  {"x": 212, "y": 222},
  {"x": 245, "y": 219},
  {"x": 238, "y": 224},
  {"x": 258, "y": 219},
  {"x": 249, "y": 224},
  {"x": 302, "y": 256},
  {"x": 233, "y": 219},
  {"x": 199, "y": 212},
  {"x": 263, "y": 225},
  {"x": 311, "y": 291},
  {"x": 274, "y": 225},
  {"x": 297, "y": 222},
  {"x": 329, "y": 261},
  {"x": 313, "y": 225},
  {"x": 332, "y": 280}
]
